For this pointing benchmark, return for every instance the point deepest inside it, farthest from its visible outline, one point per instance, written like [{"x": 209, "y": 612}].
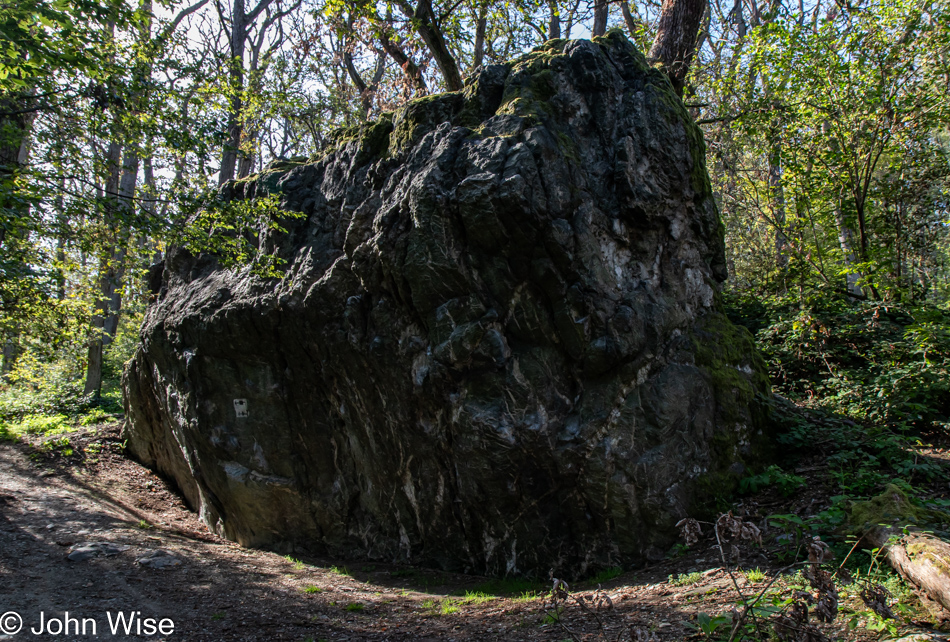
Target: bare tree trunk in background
[
  {"x": 860, "y": 206},
  {"x": 554, "y": 29},
  {"x": 94, "y": 362},
  {"x": 600, "y": 17},
  {"x": 632, "y": 23},
  {"x": 11, "y": 350},
  {"x": 150, "y": 204},
  {"x": 900, "y": 264},
  {"x": 428, "y": 30},
  {"x": 150, "y": 196},
  {"x": 366, "y": 91},
  {"x": 58, "y": 207},
  {"x": 119, "y": 212},
  {"x": 260, "y": 59},
  {"x": 675, "y": 42},
  {"x": 112, "y": 266},
  {"x": 98, "y": 322},
  {"x": 130, "y": 173},
  {"x": 571, "y": 15},
  {"x": 245, "y": 158},
  {"x": 409, "y": 68},
  {"x": 16, "y": 124},
  {"x": 777, "y": 197},
  {"x": 357, "y": 82},
  {"x": 238, "y": 41},
  {"x": 481, "y": 25},
  {"x": 846, "y": 240}
]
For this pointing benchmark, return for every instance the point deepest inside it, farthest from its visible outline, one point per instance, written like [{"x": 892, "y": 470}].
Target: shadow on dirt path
[{"x": 137, "y": 549}]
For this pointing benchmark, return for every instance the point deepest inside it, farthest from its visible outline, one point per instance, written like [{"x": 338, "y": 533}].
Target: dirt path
[{"x": 116, "y": 514}]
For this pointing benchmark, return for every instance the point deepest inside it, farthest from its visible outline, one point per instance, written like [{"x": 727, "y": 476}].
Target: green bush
[
  {"x": 786, "y": 483},
  {"x": 38, "y": 425},
  {"x": 876, "y": 375},
  {"x": 36, "y": 386},
  {"x": 881, "y": 363}
]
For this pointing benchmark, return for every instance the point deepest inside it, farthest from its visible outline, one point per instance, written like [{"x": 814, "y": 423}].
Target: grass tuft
[
  {"x": 687, "y": 579},
  {"x": 508, "y": 586},
  {"x": 755, "y": 575},
  {"x": 297, "y": 563},
  {"x": 448, "y": 607},
  {"x": 476, "y": 597},
  {"x": 606, "y": 575}
]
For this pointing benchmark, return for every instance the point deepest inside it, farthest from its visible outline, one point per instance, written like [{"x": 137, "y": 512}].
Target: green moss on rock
[
  {"x": 422, "y": 115},
  {"x": 893, "y": 507},
  {"x": 527, "y": 92},
  {"x": 727, "y": 353}
]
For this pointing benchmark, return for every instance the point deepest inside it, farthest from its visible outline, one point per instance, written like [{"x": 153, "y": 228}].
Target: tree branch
[{"x": 184, "y": 13}]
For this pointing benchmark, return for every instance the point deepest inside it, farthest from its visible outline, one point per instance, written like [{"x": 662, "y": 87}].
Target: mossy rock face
[
  {"x": 892, "y": 508},
  {"x": 497, "y": 348}
]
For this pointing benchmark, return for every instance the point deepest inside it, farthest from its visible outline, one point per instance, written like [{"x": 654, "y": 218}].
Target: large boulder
[{"x": 497, "y": 347}]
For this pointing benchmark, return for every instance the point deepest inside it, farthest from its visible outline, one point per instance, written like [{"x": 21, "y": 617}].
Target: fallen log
[
  {"x": 922, "y": 559},
  {"x": 891, "y": 523}
]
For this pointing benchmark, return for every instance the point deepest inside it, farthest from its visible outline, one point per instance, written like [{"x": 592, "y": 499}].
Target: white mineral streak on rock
[
  {"x": 511, "y": 565},
  {"x": 410, "y": 490}
]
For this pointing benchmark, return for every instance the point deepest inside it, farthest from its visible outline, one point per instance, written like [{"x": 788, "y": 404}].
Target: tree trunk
[
  {"x": 777, "y": 196},
  {"x": 675, "y": 42},
  {"x": 151, "y": 203},
  {"x": 246, "y": 158},
  {"x": 571, "y": 16},
  {"x": 358, "y": 82},
  {"x": 409, "y": 68},
  {"x": 120, "y": 206},
  {"x": 846, "y": 241},
  {"x": 900, "y": 267},
  {"x": 130, "y": 170},
  {"x": 366, "y": 91},
  {"x": 862, "y": 228},
  {"x": 105, "y": 322},
  {"x": 600, "y": 18},
  {"x": 58, "y": 207},
  {"x": 119, "y": 212},
  {"x": 629, "y": 20},
  {"x": 481, "y": 25},
  {"x": 232, "y": 145},
  {"x": 16, "y": 125},
  {"x": 11, "y": 350},
  {"x": 98, "y": 321},
  {"x": 554, "y": 28},
  {"x": 429, "y": 32}
]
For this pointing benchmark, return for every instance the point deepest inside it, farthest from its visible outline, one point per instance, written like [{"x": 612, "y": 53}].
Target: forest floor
[{"x": 146, "y": 552}]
